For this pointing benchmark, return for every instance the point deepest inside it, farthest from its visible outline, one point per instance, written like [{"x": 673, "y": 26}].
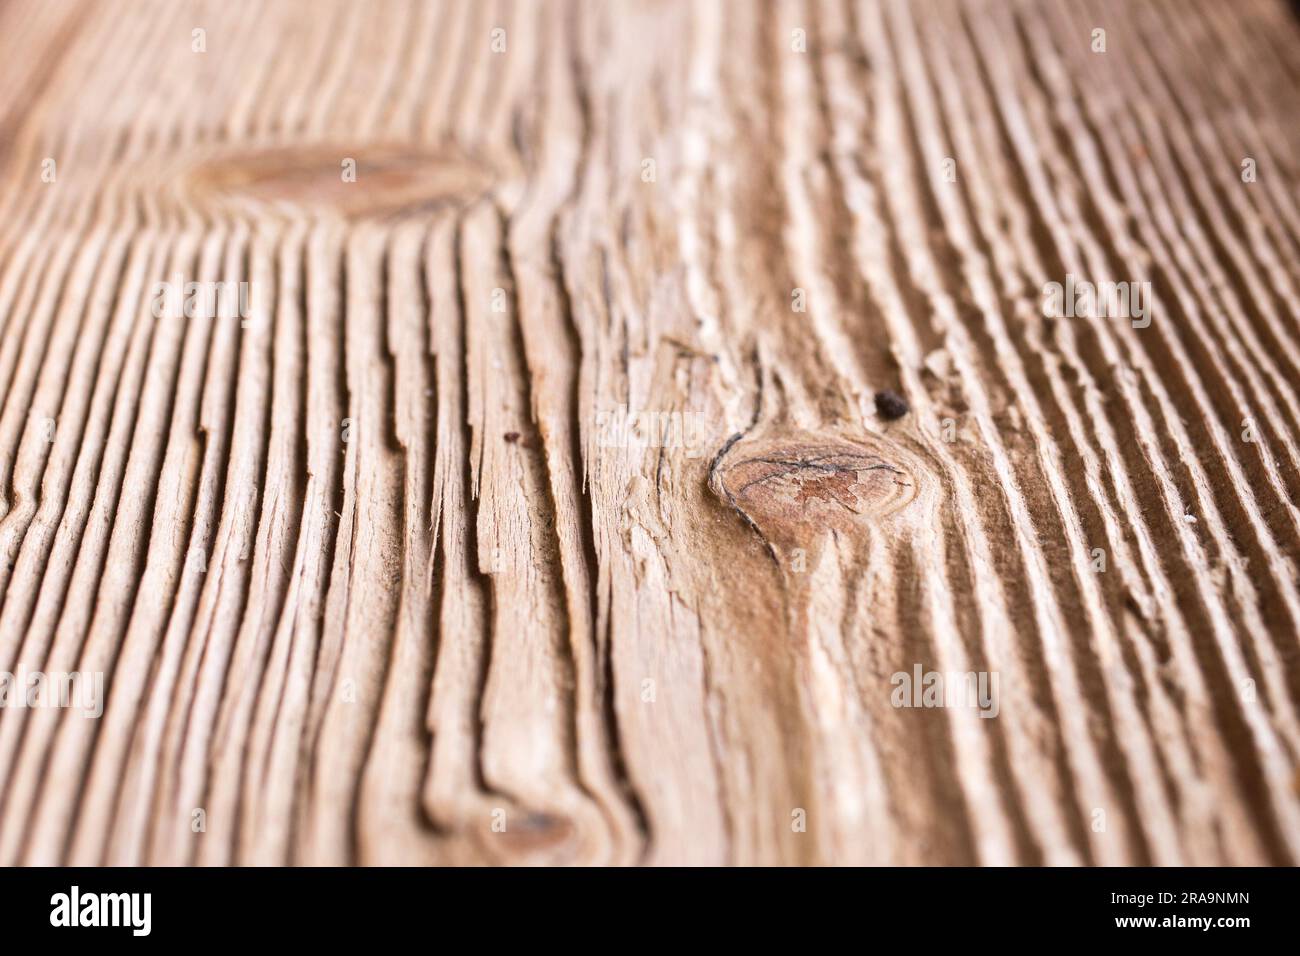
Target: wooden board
[{"x": 449, "y": 432}]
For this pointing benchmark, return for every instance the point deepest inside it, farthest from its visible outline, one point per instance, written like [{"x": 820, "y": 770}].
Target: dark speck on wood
[{"x": 891, "y": 405}]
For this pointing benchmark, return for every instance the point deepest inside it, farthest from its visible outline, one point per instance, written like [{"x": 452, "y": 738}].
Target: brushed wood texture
[{"x": 541, "y": 500}]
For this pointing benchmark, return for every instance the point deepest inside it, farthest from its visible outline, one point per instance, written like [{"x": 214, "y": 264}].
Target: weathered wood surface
[{"x": 372, "y": 575}]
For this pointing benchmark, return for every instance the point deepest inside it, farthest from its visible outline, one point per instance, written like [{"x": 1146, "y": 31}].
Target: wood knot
[
  {"x": 534, "y": 838},
  {"x": 790, "y": 485},
  {"x": 352, "y": 182}
]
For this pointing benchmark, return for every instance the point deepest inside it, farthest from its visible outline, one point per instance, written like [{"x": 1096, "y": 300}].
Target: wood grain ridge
[{"x": 844, "y": 432}]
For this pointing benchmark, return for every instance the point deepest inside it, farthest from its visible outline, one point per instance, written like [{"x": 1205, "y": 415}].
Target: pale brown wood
[{"x": 374, "y": 571}]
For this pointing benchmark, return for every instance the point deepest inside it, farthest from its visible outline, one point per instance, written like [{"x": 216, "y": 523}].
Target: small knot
[{"x": 792, "y": 485}]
